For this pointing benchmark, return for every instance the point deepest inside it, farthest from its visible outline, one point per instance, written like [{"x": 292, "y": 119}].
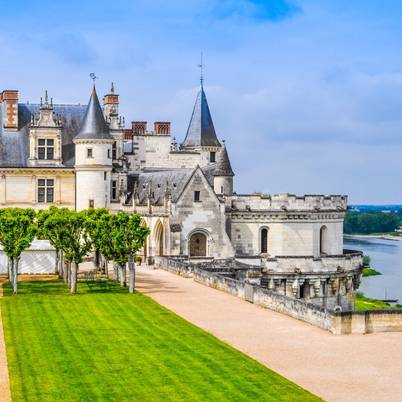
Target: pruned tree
[
  {"x": 95, "y": 228},
  {"x": 127, "y": 235},
  {"x": 17, "y": 230},
  {"x": 75, "y": 240},
  {"x": 53, "y": 233}
]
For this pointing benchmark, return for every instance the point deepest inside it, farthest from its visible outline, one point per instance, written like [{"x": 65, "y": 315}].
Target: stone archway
[
  {"x": 159, "y": 238},
  {"x": 198, "y": 245}
]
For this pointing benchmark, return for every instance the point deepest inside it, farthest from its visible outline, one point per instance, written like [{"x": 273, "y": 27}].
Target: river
[{"x": 386, "y": 257}]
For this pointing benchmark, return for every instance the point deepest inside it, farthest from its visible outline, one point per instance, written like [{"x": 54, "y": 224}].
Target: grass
[
  {"x": 370, "y": 272},
  {"x": 107, "y": 345},
  {"x": 366, "y": 303}
]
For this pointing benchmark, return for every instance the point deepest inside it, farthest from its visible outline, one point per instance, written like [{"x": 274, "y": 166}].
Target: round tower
[
  {"x": 93, "y": 158},
  {"x": 223, "y": 173}
]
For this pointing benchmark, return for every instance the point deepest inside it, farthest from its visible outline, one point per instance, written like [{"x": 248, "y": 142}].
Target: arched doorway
[
  {"x": 264, "y": 241},
  {"x": 159, "y": 238},
  {"x": 323, "y": 240},
  {"x": 198, "y": 245}
]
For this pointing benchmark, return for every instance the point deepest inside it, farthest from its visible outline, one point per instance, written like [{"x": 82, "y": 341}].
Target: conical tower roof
[
  {"x": 223, "y": 166},
  {"x": 201, "y": 131},
  {"x": 93, "y": 125}
]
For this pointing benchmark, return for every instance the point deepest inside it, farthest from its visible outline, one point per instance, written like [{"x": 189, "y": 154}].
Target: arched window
[
  {"x": 264, "y": 241},
  {"x": 198, "y": 245},
  {"x": 323, "y": 240},
  {"x": 159, "y": 238}
]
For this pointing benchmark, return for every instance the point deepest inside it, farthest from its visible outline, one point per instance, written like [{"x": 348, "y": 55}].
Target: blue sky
[{"x": 306, "y": 93}]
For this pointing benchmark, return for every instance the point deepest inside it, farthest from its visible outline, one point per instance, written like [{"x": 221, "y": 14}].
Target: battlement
[{"x": 289, "y": 202}]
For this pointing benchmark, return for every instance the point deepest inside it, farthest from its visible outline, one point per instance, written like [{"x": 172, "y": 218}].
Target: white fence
[{"x": 40, "y": 258}]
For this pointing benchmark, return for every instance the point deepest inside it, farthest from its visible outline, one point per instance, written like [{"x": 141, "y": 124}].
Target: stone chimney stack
[
  {"x": 162, "y": 127},
  {"x": 9, "y": 103}
]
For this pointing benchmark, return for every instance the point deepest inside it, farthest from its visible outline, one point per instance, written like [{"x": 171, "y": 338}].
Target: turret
[
  {"x": 93, "y": 158},
  {"x": 223, "y": 173}
]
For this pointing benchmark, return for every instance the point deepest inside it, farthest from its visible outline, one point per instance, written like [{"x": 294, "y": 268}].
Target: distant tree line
[{"x": 372, "y": 222}]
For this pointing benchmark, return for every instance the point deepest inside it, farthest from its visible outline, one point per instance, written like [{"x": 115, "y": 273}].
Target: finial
[
  {"x": 46, "y": 98},
  {"x": 201, "y": 66},
  {"x": 41, "y": 101},
  {"x": 51, "y": 101},
  {"x": 93, "y": 77},
  {"x": 112, "y": 88}
]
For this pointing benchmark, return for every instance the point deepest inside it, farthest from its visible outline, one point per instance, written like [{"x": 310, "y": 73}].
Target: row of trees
[
  {"x": 113, "y": 237},
  {"x": 371, "y": 222}
]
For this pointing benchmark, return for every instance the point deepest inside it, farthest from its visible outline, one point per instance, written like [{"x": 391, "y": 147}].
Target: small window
[
  {"x": 108, "y": 153},
  {"x": 91, "y": 203},
  {"x": 89, "y": 153},
  {"x": 45, "y": 148},
  {"x": 114, "y": 190},
  {"x": 114, "y": 150},
  {"x": 45, "y": 190},
  {"x": 221, "y": 189},
  {"x": 196, "y": 196},
  {"x": 212, "y": 157},
  {"x": 104, "y": 175}
]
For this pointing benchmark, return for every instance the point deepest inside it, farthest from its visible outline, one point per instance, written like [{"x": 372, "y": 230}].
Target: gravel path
[
  {"x": 5, "y": 395},
  {"x": 336, "y": 368}
]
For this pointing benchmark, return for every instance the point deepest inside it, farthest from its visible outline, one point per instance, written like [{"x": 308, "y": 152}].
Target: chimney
[
  {"x": 139, "y": 127},
  {"x": 111, "y": 103},
  {"x": 162, "y": 127},
  {"x": 9, "y": 99}
]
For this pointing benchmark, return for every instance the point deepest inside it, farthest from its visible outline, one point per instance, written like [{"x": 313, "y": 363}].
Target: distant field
[{"x": 108, "y": 345}]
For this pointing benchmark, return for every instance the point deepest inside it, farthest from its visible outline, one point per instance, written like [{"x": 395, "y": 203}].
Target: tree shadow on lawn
[{"x": 58, "y": 288}]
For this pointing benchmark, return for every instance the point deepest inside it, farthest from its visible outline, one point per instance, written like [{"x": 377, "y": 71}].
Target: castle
[{"x": 83, "y": 156}]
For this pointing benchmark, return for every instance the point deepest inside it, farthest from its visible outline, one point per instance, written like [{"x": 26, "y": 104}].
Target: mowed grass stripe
[{"x": 106, "y": 345}]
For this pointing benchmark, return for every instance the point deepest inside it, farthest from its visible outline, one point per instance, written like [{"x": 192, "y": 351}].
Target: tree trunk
[
  {"x": 61, "y": 266},
  {"x": 65, "y": 271},
  {"x": 9, "y": 269},
  {"x": 131, "y": 270},
  {"x": 74, "y": 271},
  {"x": 123, "y": 275},
  {"x": 115, "y": 272},
  {"x": 97, "y": 259},
  {"x": 56, "y": 269},
  {"x": 106, "y": 262},
  {"x": 15, "y": 276},
  {"x": 69, "y": 274}
]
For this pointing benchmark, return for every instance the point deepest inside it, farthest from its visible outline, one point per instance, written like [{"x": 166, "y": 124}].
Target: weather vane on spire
[
  {"x": 201, "y": 66},
  {"x": 94, "y": 77}
]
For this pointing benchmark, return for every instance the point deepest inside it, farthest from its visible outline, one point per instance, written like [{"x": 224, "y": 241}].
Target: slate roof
[
  {"x": 156, "y": 183},
  {"x": 201, "y": 131},
  {"x": 94, "y": 125},
  {"x": 222, "y": 165},
  {"x": 14, "y": 145}
]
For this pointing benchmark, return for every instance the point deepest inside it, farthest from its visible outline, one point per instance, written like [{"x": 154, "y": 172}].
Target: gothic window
[
  {"x": 114, "y": 190},
  {"x": 264, "y": 241},
  {"x": 45, "y": 148},
  {"x": 114, "y": 150},
  {"x": 197, "y": 196},
  {"x": 212, "y": 157},
  {"x": 45, "y": 190},
  {"x": 89, "y": 153}
]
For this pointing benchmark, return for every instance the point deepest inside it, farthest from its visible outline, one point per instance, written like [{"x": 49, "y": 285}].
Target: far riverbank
[{"x": 373, "y": 236}]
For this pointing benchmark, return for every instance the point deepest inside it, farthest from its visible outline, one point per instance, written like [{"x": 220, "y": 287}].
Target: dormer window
[
  {"x": 45, "y": 148},
  {"x": 114, "y": 151}
]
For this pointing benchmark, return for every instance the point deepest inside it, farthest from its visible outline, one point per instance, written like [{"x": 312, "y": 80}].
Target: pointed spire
[
  {"x": 94, "y": 125},
  {"x": 201, "y": 131},
  {"x": 112, "y": 88},
  {"x": 222, "y": 165}
]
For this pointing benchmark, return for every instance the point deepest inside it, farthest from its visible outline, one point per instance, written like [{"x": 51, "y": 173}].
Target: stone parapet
[{"x": 288, "y": 202}]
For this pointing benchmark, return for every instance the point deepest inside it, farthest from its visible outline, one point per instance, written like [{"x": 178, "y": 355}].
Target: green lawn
[
  {"x": 108, "y": 345},
  {"x": 366, "y": 303}
]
